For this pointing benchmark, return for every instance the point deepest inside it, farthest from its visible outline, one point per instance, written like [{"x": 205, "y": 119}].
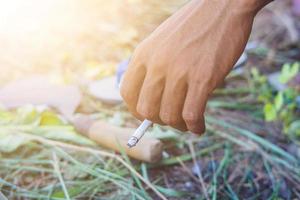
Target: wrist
[
  {"x": 240, "y": 7},
  {"x": 252, "y": 5}
]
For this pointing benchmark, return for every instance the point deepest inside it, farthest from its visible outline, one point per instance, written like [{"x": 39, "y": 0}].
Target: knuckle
[
  {"x": 158, "y": 61},
  {"x": 207, "y": 81},
  {"x": 169, "y": 119},
  {"x": 139, "y": 52},
  {"x": 190, "y": 117},
  {"x": 136, "y": 114},
  {"x": 145, "y": 111},
  {"x": 127, "y": 97},
  {"x": 199, "y": 129}
]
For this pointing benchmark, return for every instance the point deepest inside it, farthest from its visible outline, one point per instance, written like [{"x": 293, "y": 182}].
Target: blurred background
[{"x": 53, "y": 56}]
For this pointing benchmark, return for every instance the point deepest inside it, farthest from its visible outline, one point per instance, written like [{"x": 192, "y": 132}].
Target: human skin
[{"x": 173, "y": 71}]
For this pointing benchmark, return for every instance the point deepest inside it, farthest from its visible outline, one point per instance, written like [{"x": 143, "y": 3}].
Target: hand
[{"x": 173, "y": 72}]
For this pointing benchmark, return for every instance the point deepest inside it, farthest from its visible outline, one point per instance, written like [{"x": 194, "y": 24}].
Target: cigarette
[{"x": 139, "y": 133}]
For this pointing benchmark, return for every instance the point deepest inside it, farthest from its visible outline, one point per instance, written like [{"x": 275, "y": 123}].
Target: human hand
[{"x": 173, "y": 71}]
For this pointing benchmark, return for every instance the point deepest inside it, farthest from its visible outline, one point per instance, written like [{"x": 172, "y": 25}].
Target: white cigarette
[{"x": 139, "y": 133}]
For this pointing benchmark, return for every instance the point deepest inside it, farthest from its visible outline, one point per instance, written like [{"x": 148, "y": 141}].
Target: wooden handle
[
  {"x": 112, "y": 137},
  {"x": 115, "y": 138}
]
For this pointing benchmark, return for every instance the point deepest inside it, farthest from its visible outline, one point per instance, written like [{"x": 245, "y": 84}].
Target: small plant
[
  {"x": 288, "y": 72},
  {"x": 279, "y": 105}
]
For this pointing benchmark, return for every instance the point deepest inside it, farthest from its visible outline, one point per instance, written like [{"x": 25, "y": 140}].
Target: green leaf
[
  {"x": 288, "y": 72},
  {"x": 158, "y": 133},
  {"x": 27, "y": 115},
  {"x": 117, "y": 119},
  {"x": 257, "y": 77},
  {"x": 50, "y": 118},
  {"x": 279, "y": 100},
  {"x": 254, "y": 73},
  {"x": 10, "y": 142},
  {"x": 284, "y": 75},
  {"x": 5, "y": 117},
  {"x": 270, "y": 112},
  {"x": 64, "y": 133},
  {"x": 73, "y": 191},
  {"x": 295, "y": 69},
  {"x": 29, "y": 120}
]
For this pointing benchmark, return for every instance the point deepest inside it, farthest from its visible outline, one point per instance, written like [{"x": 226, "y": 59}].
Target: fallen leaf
[
  {"x": 38, "y": 91},
  {"x": 106, "y": 90}
]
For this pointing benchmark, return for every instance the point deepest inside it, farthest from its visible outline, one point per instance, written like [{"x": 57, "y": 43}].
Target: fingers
[
  {"x": 172, "y": 103},
  {"x": 148, "y": 105},
  {"x": 177, "y": 101},
  {"x": 194, "y": 107}
]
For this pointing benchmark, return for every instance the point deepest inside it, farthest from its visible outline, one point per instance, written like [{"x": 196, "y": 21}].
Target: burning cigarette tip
[
  {"x": 139, "y": 133},
  {"x": 132, "y": 141}
]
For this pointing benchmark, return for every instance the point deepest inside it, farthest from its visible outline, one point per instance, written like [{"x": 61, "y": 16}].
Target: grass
[
  {"x": 50, "y": 169},
  {"x": 234, "y": 163},
  {"x": 229, "y": 162}
]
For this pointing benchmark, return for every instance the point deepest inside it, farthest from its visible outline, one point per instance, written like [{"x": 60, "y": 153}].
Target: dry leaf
[{"x": 38, "y": 91}]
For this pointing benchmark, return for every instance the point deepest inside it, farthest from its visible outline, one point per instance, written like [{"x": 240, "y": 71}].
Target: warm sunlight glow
[{"x": 33, "y": 29}]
